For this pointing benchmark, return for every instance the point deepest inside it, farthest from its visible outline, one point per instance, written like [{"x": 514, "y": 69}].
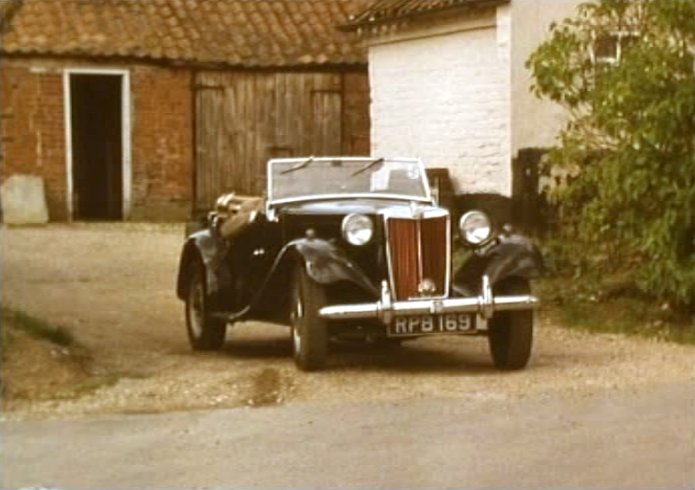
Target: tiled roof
[
  {"x": 390, "y": 10},
  {"x": 231, "y": 32}
]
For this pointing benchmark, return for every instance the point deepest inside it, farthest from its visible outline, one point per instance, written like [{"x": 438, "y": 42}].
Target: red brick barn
[{"x": 134, "y": 109}]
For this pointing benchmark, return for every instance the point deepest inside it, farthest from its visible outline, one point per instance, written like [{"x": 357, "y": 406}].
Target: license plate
[{"x": 450, "y": 323}]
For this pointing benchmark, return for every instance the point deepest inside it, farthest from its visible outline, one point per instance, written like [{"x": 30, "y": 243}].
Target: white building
[{"x": 448, "y": 84}]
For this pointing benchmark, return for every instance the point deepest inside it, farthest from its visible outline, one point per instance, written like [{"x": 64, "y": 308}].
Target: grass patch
[
  {"x": 42, "y": 361},
  {"x": 586, "y": 309},
  {"x": 87, "y": 386},
  {"x": 37, "y": 327}
]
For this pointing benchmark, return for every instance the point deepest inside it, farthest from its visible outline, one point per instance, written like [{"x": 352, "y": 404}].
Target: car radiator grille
[{"x": 418, "y": 250}]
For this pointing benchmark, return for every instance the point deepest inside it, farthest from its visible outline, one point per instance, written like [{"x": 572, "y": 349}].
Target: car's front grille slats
[
  {"x": 418, "y": 250},
  {"x": 403, "y": 247},
  {"x": 435, "y": 254}
]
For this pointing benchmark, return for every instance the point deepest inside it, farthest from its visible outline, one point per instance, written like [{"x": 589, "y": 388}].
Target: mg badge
[{"x": 426, "y": 287}]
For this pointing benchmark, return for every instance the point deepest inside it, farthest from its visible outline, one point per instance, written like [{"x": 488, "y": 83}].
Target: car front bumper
[{"x": 385, "y": 310}]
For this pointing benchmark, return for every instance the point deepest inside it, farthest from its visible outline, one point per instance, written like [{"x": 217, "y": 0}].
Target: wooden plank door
[
  {"x": 243, "y": 119},
  {"x": 326, "y": 109}
]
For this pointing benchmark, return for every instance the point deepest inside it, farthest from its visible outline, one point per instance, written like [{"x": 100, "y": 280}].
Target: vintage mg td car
[{"x": 356, "y": 249}]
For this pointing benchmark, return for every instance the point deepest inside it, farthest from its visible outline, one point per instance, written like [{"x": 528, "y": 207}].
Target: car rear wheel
[
  {"x": 510, "y": 333},
  {"x": 204, "y": 331},
  {"x": 309, "y": 331}
]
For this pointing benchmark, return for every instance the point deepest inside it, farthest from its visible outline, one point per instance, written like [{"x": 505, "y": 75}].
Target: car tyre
[
  {"x": 204, "y": 331},
  {"x": 510, "y": 333},
  {"x": 309, "y": 330}
]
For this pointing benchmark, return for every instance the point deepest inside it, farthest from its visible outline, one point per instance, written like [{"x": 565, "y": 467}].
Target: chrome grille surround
[{"x": 407, "y": 261}]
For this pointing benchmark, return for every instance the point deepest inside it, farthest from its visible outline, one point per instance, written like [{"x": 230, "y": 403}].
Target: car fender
[
  {"x": 510, "y": 256},
  {"x": 326, "y": 264},
  {"x": 515, "y": 255},
  {"x": 210, "y": 249}
]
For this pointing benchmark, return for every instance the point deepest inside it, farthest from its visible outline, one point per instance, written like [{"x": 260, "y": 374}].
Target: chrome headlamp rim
[
  {"x": 475, "y": 227},
  {"x": 357, "y": 229}
]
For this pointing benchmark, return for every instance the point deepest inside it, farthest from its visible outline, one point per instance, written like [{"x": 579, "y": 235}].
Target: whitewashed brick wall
[{"x": 446, "y": 99}]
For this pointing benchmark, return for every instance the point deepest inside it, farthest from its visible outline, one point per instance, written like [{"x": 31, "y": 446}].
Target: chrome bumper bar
[{"x": 485, "y": 305}]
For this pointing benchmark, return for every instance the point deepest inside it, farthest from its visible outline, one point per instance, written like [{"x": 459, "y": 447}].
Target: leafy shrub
[{"x": 629, "y": 144}]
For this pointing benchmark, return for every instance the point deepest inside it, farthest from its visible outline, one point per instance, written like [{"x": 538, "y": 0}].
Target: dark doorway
[{"x": 97, "y": 164}]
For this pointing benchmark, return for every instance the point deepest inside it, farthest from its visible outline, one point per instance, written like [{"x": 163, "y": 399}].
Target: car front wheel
[
  {"x": 510, "y": 333},
  {"x": 204, "y": 331},
  {"x": 309, "y": 335}
]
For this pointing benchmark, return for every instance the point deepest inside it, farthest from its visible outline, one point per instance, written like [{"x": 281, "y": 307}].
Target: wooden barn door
[
  {"x": 326, "y": 111},
  {"x": 243, "y": 119}
]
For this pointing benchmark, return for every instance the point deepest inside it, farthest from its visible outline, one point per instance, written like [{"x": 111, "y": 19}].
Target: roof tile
[
  {"x": 233, "y": 32},
  {"x": 381, "y": 11}
]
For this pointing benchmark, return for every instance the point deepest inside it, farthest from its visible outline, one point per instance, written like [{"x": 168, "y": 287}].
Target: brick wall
[
  {"x": 162, "y": 143},
  {"x": 33, "y": 133},
  {"x": 445, "y": 97},
  {"x": 33, "y": 130}
]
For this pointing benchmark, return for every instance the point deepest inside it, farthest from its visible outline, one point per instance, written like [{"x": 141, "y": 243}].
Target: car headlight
[
  {"x": 475, "y": 227},
  {"x": 357, "y": 229}
]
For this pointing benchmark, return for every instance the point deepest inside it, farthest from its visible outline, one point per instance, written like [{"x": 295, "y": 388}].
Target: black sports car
[{"x": 355, "y": 248}]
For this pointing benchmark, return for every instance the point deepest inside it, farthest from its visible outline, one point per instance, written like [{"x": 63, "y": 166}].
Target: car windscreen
[{"x": 308, "y": 177}]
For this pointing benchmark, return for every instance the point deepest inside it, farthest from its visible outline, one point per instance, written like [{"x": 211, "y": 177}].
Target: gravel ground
[{"x": 113, "y": 286}]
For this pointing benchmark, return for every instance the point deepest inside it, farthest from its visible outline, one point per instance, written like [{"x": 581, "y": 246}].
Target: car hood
[{"x": 362, "y": 206}]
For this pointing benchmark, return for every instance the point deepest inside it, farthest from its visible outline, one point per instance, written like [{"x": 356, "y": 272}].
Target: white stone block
[{"x": 23, "y": 200}]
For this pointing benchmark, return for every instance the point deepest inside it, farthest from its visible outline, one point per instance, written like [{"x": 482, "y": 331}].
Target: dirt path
[{"x": 113, "y": 286}]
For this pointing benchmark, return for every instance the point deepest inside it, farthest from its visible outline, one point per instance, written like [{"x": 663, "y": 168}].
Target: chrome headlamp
[
  {"x": 475, "y": 227},
  {"x": 357, "y": 229}
]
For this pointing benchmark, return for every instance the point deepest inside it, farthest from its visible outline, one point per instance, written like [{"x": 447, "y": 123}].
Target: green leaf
[{"x": 630, "y": 136}]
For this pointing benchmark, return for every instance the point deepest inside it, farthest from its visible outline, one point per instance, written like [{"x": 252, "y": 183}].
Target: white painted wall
[
  {"x": 535, "y": 122},
  {"x": 454, "y": 91},
  {"x": 443, "y": 94}
]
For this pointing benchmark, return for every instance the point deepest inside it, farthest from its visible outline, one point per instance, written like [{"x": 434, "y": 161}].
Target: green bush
[{"x": 629, "y": 144}]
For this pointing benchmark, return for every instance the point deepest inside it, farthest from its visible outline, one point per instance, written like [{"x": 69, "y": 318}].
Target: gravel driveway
[{"x": 113, "y": 286}]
